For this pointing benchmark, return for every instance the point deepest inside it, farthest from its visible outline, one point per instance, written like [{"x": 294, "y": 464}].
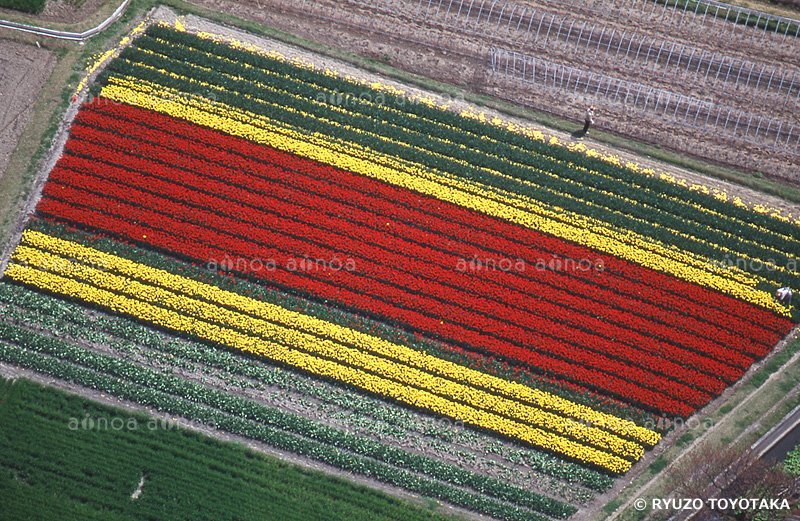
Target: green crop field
[{"x": 87, "y": 460}]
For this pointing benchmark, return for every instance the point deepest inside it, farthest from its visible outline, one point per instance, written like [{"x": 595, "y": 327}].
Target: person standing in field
[
  {"x": 784, "y": 295},
  {"x": 588, "y": 121}
]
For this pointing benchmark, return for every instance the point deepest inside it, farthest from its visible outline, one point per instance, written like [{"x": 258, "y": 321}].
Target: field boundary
[{"x": 63, "y": 133}]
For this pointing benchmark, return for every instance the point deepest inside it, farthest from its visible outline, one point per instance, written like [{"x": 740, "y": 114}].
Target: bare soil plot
[{"x": 23, "y": 71}]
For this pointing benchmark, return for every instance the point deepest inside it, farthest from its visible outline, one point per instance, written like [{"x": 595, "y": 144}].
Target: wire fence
[
  {"x": 521, "y": 27},
  {"x": 495, "y": 18},
  {"x": 342, "y": 12},
  {"x": 710, "y": 68},
  {"x": 685, "y": 110},
  {"x": 704, "y": 14}
]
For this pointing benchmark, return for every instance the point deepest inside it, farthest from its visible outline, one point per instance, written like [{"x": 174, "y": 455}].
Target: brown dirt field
[{"x": 23, "y": 71}]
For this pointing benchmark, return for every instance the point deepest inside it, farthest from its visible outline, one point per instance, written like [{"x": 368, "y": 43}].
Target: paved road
[{"x": 782, "y": 438}]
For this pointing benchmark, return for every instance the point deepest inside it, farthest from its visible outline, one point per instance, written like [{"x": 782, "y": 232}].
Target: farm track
[{"x": 730, "y": 91}]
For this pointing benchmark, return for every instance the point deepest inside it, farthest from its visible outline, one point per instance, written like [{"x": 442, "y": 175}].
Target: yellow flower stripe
[
  {"x": 106, "y": 55},
  {"x": 471, "y": 114},
  {"x": 351, "y": 157},
  {"x": 297, "y": 329},
  {"x": 582, "y": 414},
  {"x": 588, "y": 188},
  {"x": 151, "y": 310}
]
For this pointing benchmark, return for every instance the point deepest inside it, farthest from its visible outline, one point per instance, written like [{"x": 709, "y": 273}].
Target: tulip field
[{"x": 401, "y": 257}]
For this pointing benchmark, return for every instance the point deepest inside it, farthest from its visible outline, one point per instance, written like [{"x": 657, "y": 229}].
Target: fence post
[
  {"x": 528, "y": 30},
  {"x": 469, "y": 11},
  {"x": 778, "y": 133},
  {"x": 499, "y": 19},
  {"x": 760, "y": 121},
  {"x": 669, "y": 59},
  {"x": 538, "y": 28},
  {"x": 550, "y": 27},
  {"x": 521, "y": 15},
  {"x": 599, "y": 41}
]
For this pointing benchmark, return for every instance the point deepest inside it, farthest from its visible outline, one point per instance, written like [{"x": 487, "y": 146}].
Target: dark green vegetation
[
  {"x": 27, "y": 6},
  {"x": 720, "y": 231},
  {"x": 792, "y": 462},
  {"x": 64, "y": 457}
]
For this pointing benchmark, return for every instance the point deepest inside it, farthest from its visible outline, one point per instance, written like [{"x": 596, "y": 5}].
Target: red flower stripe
[
  {"x": 441, "y": 272},
  {"x": 723, "y": 311},
  {"x": 150, "y": 229},
  {"x": 675, "y": 335},
  {"x": 241, "y": 238},
  {"x": 486, "y": 288},
  {"x": 271, "y": 245}
]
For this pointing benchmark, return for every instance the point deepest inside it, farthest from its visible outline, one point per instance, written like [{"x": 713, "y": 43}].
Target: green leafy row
[
  {"x": 281, "y": 429},
  {"x": 302, "y": 112}
]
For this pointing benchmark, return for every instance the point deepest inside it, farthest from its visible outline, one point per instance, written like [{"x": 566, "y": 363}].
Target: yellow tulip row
[
  {"x": 320, "y": 355},
  {"x": 470, "y": 114},
  {"x": 106, "y": 55},
  {"x": 349, "y": 156},
  {"x": 586, "y": 188},
  {"x": 305, "y": 323}
]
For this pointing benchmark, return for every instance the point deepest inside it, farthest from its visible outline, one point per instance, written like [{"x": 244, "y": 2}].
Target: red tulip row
[
  {"x": 406, "y": 299},
  {"x": 193, "y": 242},
  {"x": 466, "y": 289},
  {"x": 509, "y": 287},
  {"x": 641, "y": 295},
  {"x": 202, "y": 195}
]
